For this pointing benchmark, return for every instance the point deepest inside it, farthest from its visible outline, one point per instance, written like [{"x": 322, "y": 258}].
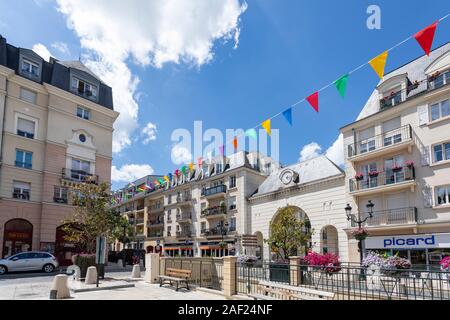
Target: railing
[
  {"x": 155, "y": 235},
  {"x": 21, "y": 195},
  {"x": 390, "y": 217},
  {"x": 184, "y": 216},
  {"x": 214, "y": 190},
  {"x": 213, "y": 232},
  {"x": 380, "y": 179},
  {"x": 214, "y": 211},
  {"x": 156, "y": 207},
  {"x": 183, "y": 234},
  {"x": 349, "y": 282},
  {"x": 139, "y": 220},
  {"x": 377, "y": 142},
  {"x": 206, "y": 272},
  {"x": 184, "y": 198},
  {"x": 140, "y": 207},
  {"x": 79, "y": 176},
  {"x": 155, "y": 223}
]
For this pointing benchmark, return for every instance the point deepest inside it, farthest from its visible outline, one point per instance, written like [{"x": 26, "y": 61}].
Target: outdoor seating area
[{"x": 177, "y": 276}]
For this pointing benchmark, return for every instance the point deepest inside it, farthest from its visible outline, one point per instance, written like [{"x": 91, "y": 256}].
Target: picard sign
[
  {"x": 249, "y": 241},
  {"x": 422, "y": 241}
]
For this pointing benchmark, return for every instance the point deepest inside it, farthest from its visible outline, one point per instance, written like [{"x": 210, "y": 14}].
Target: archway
[
  {"x": 64, "y": 250},
  {"x": 329, "y": 242},
  {"x": 17, "y": 237},
  {"x": 260, "y": 245},
  {"x": 300, "y": 215},
  {"x": 149, "y": 249}
]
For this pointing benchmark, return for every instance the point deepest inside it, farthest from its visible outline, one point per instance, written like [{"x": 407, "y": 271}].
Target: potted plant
[
  {"x": 223, "y": 244},
  {"x": 397, "y": 168},
  {"x": 445, "y": 264},
  {"x": 410, "y": 164},
  {"x": 328, "y": 263},
  {"x": 373, "y": 174},
  {"x": 360, "y": 234},
  {"x": 359, "y": 176},
  {"x": 389, "y": 265},
  {"x": 247, "y": 260}
]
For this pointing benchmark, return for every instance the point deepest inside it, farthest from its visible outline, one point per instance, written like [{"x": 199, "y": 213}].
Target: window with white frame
[
  {"x": 24, "y": 159},
  {"x": 440, "y": 80},
  {"x": 21, "y": 190},
  {"x": 83, "y": 113},
  {"x": 26, "y": 128},
  {"x": 232, "y": 224},
  {"x": 29, "y": 67},
  {"x": 442, "y": 195},
  {"x": 232, "y": 182},
  {"x": 203, "y": 226},
  {"x": 232, "y": 203},
  {"x": 80, "y": 169},
  {"x": 440, "y": 110},
  {"x": 219, "y": 168},
  {"x": 84, "y": 88},
  {"x": 441, "y": 152},
  {"x": 60, "y": 194},
  {"x": 28, "y": 95}
]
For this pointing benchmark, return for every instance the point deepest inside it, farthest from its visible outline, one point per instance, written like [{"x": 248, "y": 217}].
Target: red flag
[
  {"x": 314, "y": 100},
  {"x": 425, "y": 37}
]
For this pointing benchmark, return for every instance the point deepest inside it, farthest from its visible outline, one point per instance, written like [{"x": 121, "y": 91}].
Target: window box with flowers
[
  {"x": 397, "y": 168},
  {"x": 410, "y": 164},
  {"x": 445, "y": 266},
  {"x": 373, "y": 174},
  {"x": 359, "y": 177},
  {"x": 328, "y": 263}
]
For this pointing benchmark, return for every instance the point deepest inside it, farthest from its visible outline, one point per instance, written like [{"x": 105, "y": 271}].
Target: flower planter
[{"x": 397, "y": 169}]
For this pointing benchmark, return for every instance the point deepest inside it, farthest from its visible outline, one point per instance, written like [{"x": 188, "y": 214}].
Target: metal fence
[
  {"x": 206, "y": 272},
  {"x": 350, "y": 282}
]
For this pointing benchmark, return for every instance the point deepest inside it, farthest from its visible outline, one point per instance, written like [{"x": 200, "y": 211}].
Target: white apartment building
[
  {"x": 398, "y": 156},
  {"x": 202, "y": 213}
]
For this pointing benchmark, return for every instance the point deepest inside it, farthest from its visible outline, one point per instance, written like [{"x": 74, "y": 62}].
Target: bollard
[
  {"x": 136, "y": 273},
  {"x": 120, "y": 263},
  {"x": 60, "y": 286},
  {"x": 74, "y": 271},
  {"x": 91, "y": 276}
]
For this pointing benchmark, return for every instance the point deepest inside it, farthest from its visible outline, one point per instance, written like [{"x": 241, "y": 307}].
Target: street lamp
[
  {"x": 360, "y": 222},
  {"x": 223, "y": 231}
]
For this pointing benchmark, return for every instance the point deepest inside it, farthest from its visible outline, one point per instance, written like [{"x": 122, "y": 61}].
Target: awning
[
  {"x": 211, "y": 248},
  {"x": 180, "y": 248}
]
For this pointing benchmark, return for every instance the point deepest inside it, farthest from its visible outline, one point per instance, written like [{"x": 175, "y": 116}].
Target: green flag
[
  {"x": 251, "y": 133},
  {"x": 341, "y": 85}
]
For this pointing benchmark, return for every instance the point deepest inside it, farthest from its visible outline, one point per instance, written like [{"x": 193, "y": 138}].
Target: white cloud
[
  {"x": 310, "y": 151},
  {"x": 61, "y": 47},
  {"x": 42, "y": 50},
  {"x": 335, "y": 152},
  {"x": 149, "y": 133},
  {"x": 181, "y": 155},
  {"x": 151, "y": 33},
  {"x": 130, "y": 172}
]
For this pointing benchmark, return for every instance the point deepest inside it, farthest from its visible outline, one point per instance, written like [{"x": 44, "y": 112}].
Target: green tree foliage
[
  {"x": 289, "y": 235},
  {"x": 93, "y": 217}
]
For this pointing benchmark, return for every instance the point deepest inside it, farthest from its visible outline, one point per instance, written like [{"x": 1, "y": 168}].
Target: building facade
[
  {"x": 57, "y": 125},
  {"x": 203, "y": 213},
  {"x": 398, "y": 156}
]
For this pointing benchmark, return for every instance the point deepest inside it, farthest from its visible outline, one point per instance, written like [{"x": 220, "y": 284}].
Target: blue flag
[{"x": 288, "y": 115}]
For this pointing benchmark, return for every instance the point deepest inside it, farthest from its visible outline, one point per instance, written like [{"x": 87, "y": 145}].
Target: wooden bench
[
  {"x": 276, "y": 291},
  {"x": 177, "y": 276}
]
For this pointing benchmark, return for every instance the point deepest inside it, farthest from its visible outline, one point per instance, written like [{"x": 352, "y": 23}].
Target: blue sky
[{"x": 286, "y": 50}]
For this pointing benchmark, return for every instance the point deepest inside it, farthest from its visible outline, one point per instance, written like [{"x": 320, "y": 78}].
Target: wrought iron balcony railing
[
  {"x": 214, "y": 190},
  {"x": 402, "y": 216},
  {"x": 380, "y": 179},
  {"x": 79, "y": 176},
  {"x": 214, "y": 211}
]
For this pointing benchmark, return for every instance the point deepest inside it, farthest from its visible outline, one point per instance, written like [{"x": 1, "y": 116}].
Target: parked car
[
  {"x": 129, "y": 254},
  {"x": 29, "y": 261}
]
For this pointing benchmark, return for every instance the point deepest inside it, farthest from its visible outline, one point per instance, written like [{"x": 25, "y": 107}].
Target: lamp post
[
  {"x": 223, "y": 231},
  {"x": 360, "y": 222}
]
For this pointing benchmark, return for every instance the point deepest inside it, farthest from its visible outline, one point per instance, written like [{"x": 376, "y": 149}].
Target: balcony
[
  {"x": 184, "y": 200},
  {"x": 215, "y": 192},
  {"x": 391, "y": 218},
  {"x": 183, "y": 234},
  {"x": 140, "y": 207},
  {"x": 155, "y": 235},
  {"x": 214, "y": 232},
  {"x": 157, "y": 223},
  {"x": 155, "y": 209},
  {"x": 387, "y": 142},
  {"x": 215, "y": 213},
  {"x": 185, "y": 217},
  {"x": 391, "y": 180},
  {"x": 79, "y": 176},
  {"x": 139, "y": 221}
]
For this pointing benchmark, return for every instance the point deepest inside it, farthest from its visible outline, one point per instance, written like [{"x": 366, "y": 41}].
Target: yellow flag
[
  {"x": 166, "y": 178},
  {"x": 379, "y": 63},
  {"x": 266, "y": 125},
  {"x": 191, "y": 166}
]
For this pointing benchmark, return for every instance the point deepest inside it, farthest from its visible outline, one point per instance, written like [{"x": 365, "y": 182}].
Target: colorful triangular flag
[
  {"x": 425, "y": 37},
  {"x": 379, "y": 63},
  {"x": 341, "y": 85},
  {"x": 191, "y": 167},
  {"x": 314, "y": 100},
  {"x": 251, "y": 133},
  {"x": 235, "y": 143},
  {"x": 266, "y": 126},
  {"x": 288, "y": 115}
]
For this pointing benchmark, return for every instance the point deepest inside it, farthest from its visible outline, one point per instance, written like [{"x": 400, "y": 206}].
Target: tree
[
  {"x": 93, "y": 217},
  {"x": 289, "y": 234}
]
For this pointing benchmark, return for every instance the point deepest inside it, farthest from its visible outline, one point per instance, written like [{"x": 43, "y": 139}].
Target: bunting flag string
[
  {"x": 379, "y": 63},
  {"x": 425, "y": 37},
  {"x": 288, "y": 115},
  {"x": 266, "y": 125},
  {"x": 341, "y": 85},
  {"x": 251, "y": 133},
  {"x": 314, "y": 100}
]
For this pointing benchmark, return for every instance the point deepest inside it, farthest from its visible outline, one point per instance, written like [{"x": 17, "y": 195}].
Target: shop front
[
  {"x": 217, "y": 249},
  {"x": 423, "y": 250},
  {"x": 184, "y": 249},
  {"x": 18, "y": 237}
]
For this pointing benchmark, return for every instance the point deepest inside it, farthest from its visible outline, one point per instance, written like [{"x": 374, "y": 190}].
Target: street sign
[
  {"x": 100, "y": 252},
  {"x": 158, "y": 242}
]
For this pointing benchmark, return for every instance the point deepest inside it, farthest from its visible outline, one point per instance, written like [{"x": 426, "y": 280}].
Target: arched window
[{"x": 18, "y": 237}]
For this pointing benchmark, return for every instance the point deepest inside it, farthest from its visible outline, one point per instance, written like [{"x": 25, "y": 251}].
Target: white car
[{"x": 29, "y": 261}]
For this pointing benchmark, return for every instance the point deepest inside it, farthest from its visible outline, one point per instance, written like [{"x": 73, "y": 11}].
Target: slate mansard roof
[
  {"x": 54, "y": 72},
  {"x": 310, "y": 171}
]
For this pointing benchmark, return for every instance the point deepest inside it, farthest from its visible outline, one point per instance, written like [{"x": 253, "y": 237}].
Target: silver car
[{"x": 29, "y": 261}]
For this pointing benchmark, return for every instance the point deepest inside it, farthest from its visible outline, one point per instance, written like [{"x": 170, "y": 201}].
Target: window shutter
[
  {"x": 425, "y": 156},
  {"x": 25, "y": 125},
  {"x": 28, "y": 95},
  {"x": 422, "y": 112},
  {"x": 391, "y": 125},
  {"x": 366, "y": 134},
  {"x": 427, "y": 193},
  {"x": 21, "y": 185}
]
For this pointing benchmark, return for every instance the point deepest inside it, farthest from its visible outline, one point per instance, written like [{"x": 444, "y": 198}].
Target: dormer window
[
  {"x": 31, "y": 68},
  {"x": 391, "y": 98},
  {"x": 84, "y": 88},
  {"x": 439, "y": 79}
]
